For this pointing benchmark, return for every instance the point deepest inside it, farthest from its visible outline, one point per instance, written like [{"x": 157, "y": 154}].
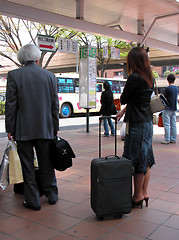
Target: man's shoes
[
  {"x": 172, "y": 141},
  {"x": 164, "y": 142},
  {"x": 31, "y": 207},
  {"x": 113, "y": 134}
]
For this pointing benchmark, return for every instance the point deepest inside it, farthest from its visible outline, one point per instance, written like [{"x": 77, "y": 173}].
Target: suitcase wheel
[
  {"x": 118, "y": 216},
  {"x": 112, "y": 216}
]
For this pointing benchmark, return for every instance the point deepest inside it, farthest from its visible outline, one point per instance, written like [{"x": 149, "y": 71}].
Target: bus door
[{"x": 99, "y": 89}]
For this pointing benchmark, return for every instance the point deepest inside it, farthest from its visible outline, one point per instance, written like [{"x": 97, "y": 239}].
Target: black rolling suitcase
[{"x": 111, "y": 183}]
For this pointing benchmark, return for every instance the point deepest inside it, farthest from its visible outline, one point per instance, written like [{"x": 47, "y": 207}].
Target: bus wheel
[{"x": 65, "y": 110}]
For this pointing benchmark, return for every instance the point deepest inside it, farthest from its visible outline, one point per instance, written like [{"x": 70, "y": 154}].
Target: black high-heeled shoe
[
  {"x": 138, "y": 203},
  {"x": 146, "y": 201}
]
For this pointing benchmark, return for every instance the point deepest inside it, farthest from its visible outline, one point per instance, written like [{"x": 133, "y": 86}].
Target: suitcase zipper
[{"x": 113, "y": 179}]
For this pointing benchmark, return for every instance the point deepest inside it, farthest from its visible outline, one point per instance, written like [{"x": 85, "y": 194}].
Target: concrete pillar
[
  {"x": 80, "y": 9},
  {"x": 125, "y": 71},
  {"x": 140, "y": 30}
]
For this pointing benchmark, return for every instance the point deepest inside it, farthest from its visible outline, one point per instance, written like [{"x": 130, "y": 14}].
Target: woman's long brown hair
[{"x": 138, "y": 61}]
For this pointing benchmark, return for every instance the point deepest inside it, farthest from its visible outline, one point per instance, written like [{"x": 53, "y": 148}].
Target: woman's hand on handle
[{"x": 120, "y": 114}]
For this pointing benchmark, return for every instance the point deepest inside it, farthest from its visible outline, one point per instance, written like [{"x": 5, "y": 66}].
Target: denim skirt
[{"x": 138, "y": 146}]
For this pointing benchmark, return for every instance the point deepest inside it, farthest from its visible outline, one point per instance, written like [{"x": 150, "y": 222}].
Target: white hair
[{"x": 28, "y": 53}]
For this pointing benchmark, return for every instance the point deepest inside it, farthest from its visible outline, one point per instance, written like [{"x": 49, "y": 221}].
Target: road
[
  {"x": 65, "y": 123},
  {"x": 69, "y": 123}
]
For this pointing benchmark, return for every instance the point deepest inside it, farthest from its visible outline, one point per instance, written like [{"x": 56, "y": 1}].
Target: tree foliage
[
  {"x": 109, "y": 42},
  {"x": 14, "y": 33},
  {"x": 100, "y": 42},
  {"x": 166, "y": 73},
  {"x": 155, "y": 74}
]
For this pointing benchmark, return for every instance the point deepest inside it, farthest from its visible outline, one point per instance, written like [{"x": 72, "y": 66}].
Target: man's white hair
[{"x": 28, "y": 53}]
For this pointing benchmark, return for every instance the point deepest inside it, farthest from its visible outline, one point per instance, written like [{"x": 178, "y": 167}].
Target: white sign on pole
[
  {"x": 46, "y": 43},
  {"x": 74, "y": 46},
  {"x": 105, "y": 52},
  {"x": 67, "y": 45},
  {"x": 87, "y": 77},
  {"x": 62, "y": 47},
  {"x": 113, "y": 52},
  {"x": 117, "y": 53}
]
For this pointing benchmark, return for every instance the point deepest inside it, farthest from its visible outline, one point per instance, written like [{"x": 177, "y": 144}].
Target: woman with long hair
[{"x": 139, "y": 127}]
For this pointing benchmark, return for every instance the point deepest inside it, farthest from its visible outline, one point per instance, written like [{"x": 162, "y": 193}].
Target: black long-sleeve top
[
  {"x": 137, "y": 96},
  {"x": 106, "y": 103}
]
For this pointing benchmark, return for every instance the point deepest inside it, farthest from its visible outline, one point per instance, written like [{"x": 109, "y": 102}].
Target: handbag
[
  {"x": 114, "y": 111},
  {"x": 61, "y": 154},
  {"x": 160, "y": 122},
  {"x": 117, "y": 104},
  {"x": 158, "y": 103},
  {"x": 4, "y": 169},
  {"x": 15, "y": 169}
]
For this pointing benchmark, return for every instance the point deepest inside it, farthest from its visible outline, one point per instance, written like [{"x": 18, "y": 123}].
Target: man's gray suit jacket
[{"x": 32, "y": 106}]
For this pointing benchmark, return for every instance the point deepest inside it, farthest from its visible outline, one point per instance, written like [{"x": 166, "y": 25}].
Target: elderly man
[{"x": 32, "y": 120}]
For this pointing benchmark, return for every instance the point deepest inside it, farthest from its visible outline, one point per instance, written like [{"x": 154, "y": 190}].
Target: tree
[
  {"x": 102, "y": 41},
  {"x": 99, "y": 42},
  {"x": 177, "y": 72},
  {"x": 16, "y": 32},
  {"x": 155, "y": 74},
  {"x": 166, "y": 73}
]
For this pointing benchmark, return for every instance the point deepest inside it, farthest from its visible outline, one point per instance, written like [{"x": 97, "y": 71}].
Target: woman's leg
[
  {"x": 146, "y": 183},
  {"x": 138, "y": 187}
]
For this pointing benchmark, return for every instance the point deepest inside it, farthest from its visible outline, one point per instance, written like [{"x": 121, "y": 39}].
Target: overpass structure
[{"x": 64, "y": 62}]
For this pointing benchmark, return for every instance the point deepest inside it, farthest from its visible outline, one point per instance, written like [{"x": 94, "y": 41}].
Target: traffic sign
[{"x": 46, "y": 43}]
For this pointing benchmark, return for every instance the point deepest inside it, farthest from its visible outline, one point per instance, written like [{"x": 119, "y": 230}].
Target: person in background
[
  {"x": 169, "y": 114},
  {"x": 107, "y": 109},
  {"x": 32, "y": 120},
  {"x": 139, "y": 127}
]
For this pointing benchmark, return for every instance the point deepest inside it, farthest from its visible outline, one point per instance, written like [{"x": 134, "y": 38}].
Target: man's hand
[
  {"x": 56, "y": 133},
  {"x": 10, "y": 136}
]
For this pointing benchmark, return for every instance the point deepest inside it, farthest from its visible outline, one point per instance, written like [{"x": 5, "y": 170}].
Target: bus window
[
  {"x": 76, "y": 89},
  {"x": 76, "y": 82},
  {"x": 61, "y": 81},
  {"x": 99, "y": 87},
  {"x": 115, "y": 87},
  {"x": 66, "y": 85}
]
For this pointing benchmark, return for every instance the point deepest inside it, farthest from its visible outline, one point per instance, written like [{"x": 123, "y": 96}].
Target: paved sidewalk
[{"x": 72, "y": 217}]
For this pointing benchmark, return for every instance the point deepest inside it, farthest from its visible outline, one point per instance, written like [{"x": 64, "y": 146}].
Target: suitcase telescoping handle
[
  {"x": 112, "y": 156},
  {"x": 100, "y": 123}
]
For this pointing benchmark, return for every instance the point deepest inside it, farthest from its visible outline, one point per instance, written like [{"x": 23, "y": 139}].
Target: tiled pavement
[{"x": 72, "y": 217}]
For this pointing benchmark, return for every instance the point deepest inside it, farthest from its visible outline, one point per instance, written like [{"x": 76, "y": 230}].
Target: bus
[
  {"x": 161, "y": 84},
  {"x": 68, "y": 93}
]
